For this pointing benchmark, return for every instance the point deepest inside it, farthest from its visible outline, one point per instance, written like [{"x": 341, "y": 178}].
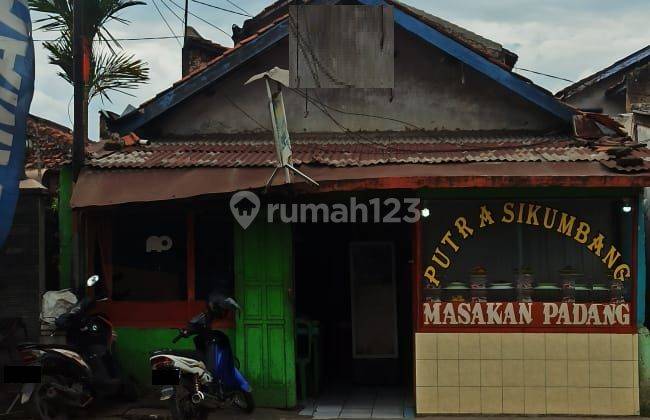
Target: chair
[{"x": 307, "y": 354}]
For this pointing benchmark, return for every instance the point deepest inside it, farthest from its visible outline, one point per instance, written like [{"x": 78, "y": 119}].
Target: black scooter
[{"x": 75, "y": 374}]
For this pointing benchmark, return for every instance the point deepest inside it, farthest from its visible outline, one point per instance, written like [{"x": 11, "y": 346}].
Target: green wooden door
[{"x": 264, "y": 328}]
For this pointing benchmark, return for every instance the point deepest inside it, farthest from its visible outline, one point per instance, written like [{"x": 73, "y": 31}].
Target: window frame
[{"x": 149, "y": 314}]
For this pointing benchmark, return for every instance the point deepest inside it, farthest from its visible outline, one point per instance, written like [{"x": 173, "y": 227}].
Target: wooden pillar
[{"x": 191, "y": 262}]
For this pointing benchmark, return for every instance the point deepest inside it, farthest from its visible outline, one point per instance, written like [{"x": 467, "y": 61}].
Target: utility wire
[
  {"x": 199, "y": 18},
  {"x": 145, "y": 38},
  {"x": 382, "y": 147},
  {"x": 166, "y": 23},
  {"x": 242, "y": 9},
  {"x": 544, "y": 74},
  {"x": 396, "y": 149},
  {"x": 240, "y": 109},
  {"x": 221, "y": 8},
  {"x": 360, "y": 114},
  {"x": 172, "y": 11}
]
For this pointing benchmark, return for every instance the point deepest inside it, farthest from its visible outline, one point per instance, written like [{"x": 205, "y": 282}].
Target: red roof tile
[{"x": 50, "y": 144}]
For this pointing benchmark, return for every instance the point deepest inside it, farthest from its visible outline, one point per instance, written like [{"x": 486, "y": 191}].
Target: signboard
[
  {"x": 525, "y": 314},
  {"x": 16, "y": 90},
  {"x": 280, "y": 131},
  {"x": 533, "y": 215},
  {"x": 526, "y": 265},
  {"x": 275, "y": 79}
]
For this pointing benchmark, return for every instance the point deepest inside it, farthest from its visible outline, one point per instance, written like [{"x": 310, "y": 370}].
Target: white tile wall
[{"x": 520, "y": 373}]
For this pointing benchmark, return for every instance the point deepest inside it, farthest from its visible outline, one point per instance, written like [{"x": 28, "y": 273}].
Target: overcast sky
[{"x": 567, "y": 38}]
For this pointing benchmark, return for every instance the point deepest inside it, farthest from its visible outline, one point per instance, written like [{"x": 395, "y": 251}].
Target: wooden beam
[
  {"x": 417, "y": 182},
  {"x": 191, "y": 258}
]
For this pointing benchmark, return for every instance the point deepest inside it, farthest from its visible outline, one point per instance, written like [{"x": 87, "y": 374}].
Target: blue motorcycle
[{"x": 197, "y": 381}]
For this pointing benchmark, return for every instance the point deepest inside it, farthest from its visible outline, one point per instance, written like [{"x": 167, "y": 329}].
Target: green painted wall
[
  {"x": 134, "y": 346},
  {"x": 65, "y": 227}
]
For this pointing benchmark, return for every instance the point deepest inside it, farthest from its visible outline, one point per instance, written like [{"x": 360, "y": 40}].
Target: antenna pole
[{"x": 187, "y": 7}]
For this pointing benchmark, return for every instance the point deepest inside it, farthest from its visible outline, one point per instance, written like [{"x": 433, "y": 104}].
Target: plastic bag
[{"x": 55, "y": 303}]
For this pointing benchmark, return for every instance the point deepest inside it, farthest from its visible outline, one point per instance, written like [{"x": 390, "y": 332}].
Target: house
[
  {"x": 621, "y": 90},
  {"x": 525, "y": 195},
  {"x": 47, "y": 160},
  {"x": 31, "y": 256},
  {"x": 607, "y": 90}
]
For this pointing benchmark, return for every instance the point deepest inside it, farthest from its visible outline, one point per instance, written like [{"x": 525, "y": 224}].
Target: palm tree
[{"x": 110, "y": 69}]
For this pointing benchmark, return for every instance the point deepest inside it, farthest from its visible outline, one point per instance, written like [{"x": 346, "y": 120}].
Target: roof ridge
[
  {"x": 643, "y": 53},
  {"x": 451, "y": 42}
]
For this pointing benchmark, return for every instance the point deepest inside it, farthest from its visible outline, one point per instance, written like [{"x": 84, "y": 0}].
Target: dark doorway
[{"x": 342, "y": 279}]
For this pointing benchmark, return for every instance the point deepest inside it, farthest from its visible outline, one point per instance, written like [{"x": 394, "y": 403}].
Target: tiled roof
[
  {"x": 50, "y": 144},
  {"x": 356, "y": 149}
]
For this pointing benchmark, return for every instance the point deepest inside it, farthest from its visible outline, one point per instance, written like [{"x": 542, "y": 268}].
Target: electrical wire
[
  {"x": 361, "y": 114},
  {"x": 266, "y": 129},
  {"x": 166, "y": 23},
  {"x": 200, "y": 18},
  {"x": 381, "y": 147},
  {"x": 390, "y": 148},
  {"x": 145, "y": 38},
  {"x": 221, "y": 8},
  {"x": 384, "y": 147},
  {"x": 240, "y": 109},
  {"x": 180, "y": 19},
  {"x": 305, "y": 46},
  {"x": 240, "y": 8},
  {"x": 544, "y": 74}
]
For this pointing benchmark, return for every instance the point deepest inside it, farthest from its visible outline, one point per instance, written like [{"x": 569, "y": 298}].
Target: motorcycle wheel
[
  {"x": 244, "y": 401},
  {"x": 181, "y": 405},
  {"x": 40, "y": 407}
]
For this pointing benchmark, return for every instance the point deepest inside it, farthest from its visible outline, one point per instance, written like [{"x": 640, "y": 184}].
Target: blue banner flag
[{"x": 16, "y": 91}]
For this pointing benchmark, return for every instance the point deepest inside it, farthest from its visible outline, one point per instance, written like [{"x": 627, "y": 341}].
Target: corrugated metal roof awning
[{"x": 97, "y": 187}]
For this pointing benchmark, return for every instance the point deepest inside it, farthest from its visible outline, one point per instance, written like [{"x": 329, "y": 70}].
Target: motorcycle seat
[
  {"x": 39, "y": 346},
  {"x": 191, "y": 354}
]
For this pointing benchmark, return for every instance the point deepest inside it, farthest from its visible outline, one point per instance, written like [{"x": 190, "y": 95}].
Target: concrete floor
[
  {"x": 360, "y": 403},
  {"x": 271, "y": 414},
  {"x": 148, "y": 410}
]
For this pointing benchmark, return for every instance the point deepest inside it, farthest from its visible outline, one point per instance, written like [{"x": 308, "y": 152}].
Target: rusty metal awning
[{"x": 97, "y": 187}]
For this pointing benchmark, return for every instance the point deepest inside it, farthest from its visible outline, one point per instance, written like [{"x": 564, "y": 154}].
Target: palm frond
[
  {"x": 109, "y": 70},
  {"x": 116, "y": 72},
  {"x": 60, "y": 54},
  {"x": 98, "y": 13}
]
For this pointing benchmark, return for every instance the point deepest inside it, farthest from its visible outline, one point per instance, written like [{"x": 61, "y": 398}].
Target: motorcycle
[
  {"x": 194, "y": 382},
  {"x": 78, "y": 372}
]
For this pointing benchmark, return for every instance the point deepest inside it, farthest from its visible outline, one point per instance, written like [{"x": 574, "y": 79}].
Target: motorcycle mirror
[
  {"x": 92, "y": 280},
  {"x": 234, "y": 304}
]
